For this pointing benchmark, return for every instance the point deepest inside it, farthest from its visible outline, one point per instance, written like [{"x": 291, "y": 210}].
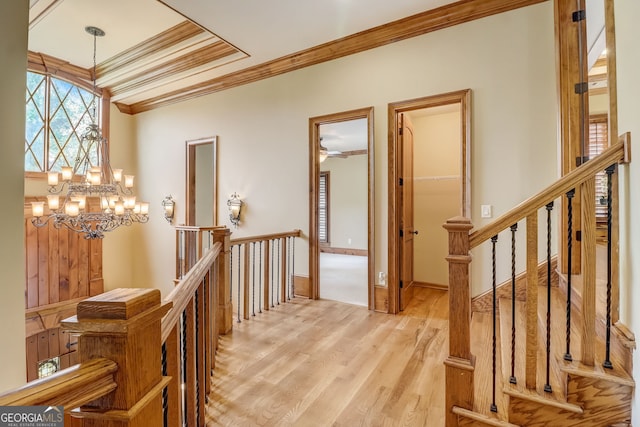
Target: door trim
[
  {"x": 190, "y": 168},
  {"x": 314, "y": 184},
  {"x": 462, "y": 97}
]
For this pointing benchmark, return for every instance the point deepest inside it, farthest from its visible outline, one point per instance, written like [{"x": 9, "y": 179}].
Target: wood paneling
[
  {"x": 48, "y": 344},
  {"x": 61, "y": 265}
]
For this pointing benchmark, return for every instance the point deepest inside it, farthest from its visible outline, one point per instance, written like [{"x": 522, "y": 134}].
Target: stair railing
[
  {"x": 460, "y": 363},
  {"x": 262, "y": 272},
  {"x": 143, "y": 361},
  {"x": 190, "y": 335},
  {"x": 191, "y": 243}
]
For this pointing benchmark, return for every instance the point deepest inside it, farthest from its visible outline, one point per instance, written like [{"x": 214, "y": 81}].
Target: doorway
[
  {"x": 429, "y": 182},
  {"x": 341, "y": 207},
  {"x": 201, "y": 191}
]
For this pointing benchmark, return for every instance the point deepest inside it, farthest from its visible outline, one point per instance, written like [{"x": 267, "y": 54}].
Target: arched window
[{"x": 57, "y": 113}]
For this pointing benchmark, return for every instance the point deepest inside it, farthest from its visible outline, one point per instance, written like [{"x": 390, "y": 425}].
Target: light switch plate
[{"x": 486, "y": 211}]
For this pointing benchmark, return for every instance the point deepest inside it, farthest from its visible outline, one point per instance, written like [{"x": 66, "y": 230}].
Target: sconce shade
[
  {"x": 168, "y": 205},
  {"x": 235, "y": 208}
]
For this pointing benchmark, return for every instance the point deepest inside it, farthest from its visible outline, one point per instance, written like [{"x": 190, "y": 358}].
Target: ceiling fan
[{"x": 324, "y": 153}]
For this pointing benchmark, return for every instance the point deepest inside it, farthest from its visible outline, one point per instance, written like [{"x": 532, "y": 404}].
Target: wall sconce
[
  {"x": 235, "y": 206},
  {"x": 168, "y": 205}
]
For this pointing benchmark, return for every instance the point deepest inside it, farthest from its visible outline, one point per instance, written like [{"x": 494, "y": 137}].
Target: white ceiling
[{"x": 260, "y": 31}]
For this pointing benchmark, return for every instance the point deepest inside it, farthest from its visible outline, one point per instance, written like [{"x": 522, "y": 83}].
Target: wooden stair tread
[
  {"x": 547, "y": 399},
  {"x": 482, "y": 418},
  {"x": 618, "y": 376}
]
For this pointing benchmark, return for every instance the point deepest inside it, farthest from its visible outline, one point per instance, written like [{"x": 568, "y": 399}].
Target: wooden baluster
[
  {"x": 123, "y": 325},
  {"x": 174, "y": 394},
  {"x": 588, "y": 271},
  {"x": 202, "y": 374},
  {"x": 212, "y": 320},
  {"x": 283, "y": 269},
  {"x": 223, "y": 281},
  {"x": 178, "y": 252},
  {"x": 607, "y": 360},
  {"x": 512, "y": 377},
  {"x": 569, "y": 202},
  {"x": 531, "y": 361},
  {"x": 494, "y": 375},
  {"x": 245, "y": 280},
  {"x": 190, "y": 363},
  {"x": 547, "y": 385},
  {"x": 200, "y": 245},
  {"x": 460, "y": 364},
  {"x": 267, "y": 288}
]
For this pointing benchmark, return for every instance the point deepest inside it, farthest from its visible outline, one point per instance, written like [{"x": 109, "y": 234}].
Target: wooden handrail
[
  {"x": 71, "y": 387},
  {"x": 243, "y": 240},
  {"x": 194, "y": 228},
  {"x": 184, "y": 290},
  {"x": 617, "y": 153}
]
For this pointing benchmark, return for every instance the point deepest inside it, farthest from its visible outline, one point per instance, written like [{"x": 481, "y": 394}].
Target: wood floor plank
[{"x": 324, "y": 363}]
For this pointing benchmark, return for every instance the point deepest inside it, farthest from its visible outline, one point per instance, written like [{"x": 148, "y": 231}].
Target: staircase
[{"x": 498, "y": 371}]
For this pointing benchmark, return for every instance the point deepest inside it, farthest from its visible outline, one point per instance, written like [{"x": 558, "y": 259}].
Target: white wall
[
  {"x": 437, "y": 194},
  {"x": 118, "y": 246},
  {"x": 348, "y": 191},
  {"x": 628, "y": 62},
  {"x": 507, "y": 60},
  {"x": 14, "y": 16}
]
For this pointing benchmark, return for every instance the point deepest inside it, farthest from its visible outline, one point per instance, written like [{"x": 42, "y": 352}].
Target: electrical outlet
[
  {"x": 486, "y": 211},
  {"x": 382, "y": 278}
]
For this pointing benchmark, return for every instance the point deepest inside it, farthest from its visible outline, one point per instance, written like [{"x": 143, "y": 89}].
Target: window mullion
[{"x": 47, "y": 122}]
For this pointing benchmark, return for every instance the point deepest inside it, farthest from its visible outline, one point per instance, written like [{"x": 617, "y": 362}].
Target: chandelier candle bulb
[
  {"x": 52, "y": 178},
  {"x": 112, "y": 201},
  {"x": 37, "y": 208},
  {"x": 72, "y": 209},
  {"x": 117, "y": 175},
  {"x": 136, "y": 208},
  {"x": 128, "y": 181},
  {"x": 130, "y": 202},
  {"x": 144, "y": 208},
  {"x": 119, "y": 209},
  {"x": 95, "y": 176},
  {"x": 80, "y": 200},
  {"x": 53, "y": 201},
  {"x": 104, "y": 203},
  {"x": 67, "y": 173}
]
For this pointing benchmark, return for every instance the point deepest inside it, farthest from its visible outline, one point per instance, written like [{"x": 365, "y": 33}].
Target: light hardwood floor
[{"x": 324, "y": 363}]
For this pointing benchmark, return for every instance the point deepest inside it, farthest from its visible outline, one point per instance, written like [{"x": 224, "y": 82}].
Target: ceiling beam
[{"x": 412, "y": 26}]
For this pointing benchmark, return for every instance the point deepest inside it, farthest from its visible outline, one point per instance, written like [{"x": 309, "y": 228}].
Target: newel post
[
  {"x": 225, "y": 309},
  {"x": 460, "y": 363},
  {"x": 123, "y": 325}
]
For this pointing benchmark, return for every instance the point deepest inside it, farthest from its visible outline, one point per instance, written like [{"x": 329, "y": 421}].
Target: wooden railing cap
[
  {"x": 121, "y": 304},
  {"x": 458, "y": 223}
]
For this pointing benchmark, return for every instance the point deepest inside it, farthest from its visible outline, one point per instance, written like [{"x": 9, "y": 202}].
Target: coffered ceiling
[{"x": 159, "y": 51}]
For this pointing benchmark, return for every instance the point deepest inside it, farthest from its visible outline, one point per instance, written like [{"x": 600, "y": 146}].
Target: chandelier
[{"x": 68, "y": 191}]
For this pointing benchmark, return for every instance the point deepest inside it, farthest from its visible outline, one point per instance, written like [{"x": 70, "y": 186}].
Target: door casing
[
  {"x": 314, "y": 184},
  {"x": 462, "y": 97},
  {"x": 190, "y": 168}
]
